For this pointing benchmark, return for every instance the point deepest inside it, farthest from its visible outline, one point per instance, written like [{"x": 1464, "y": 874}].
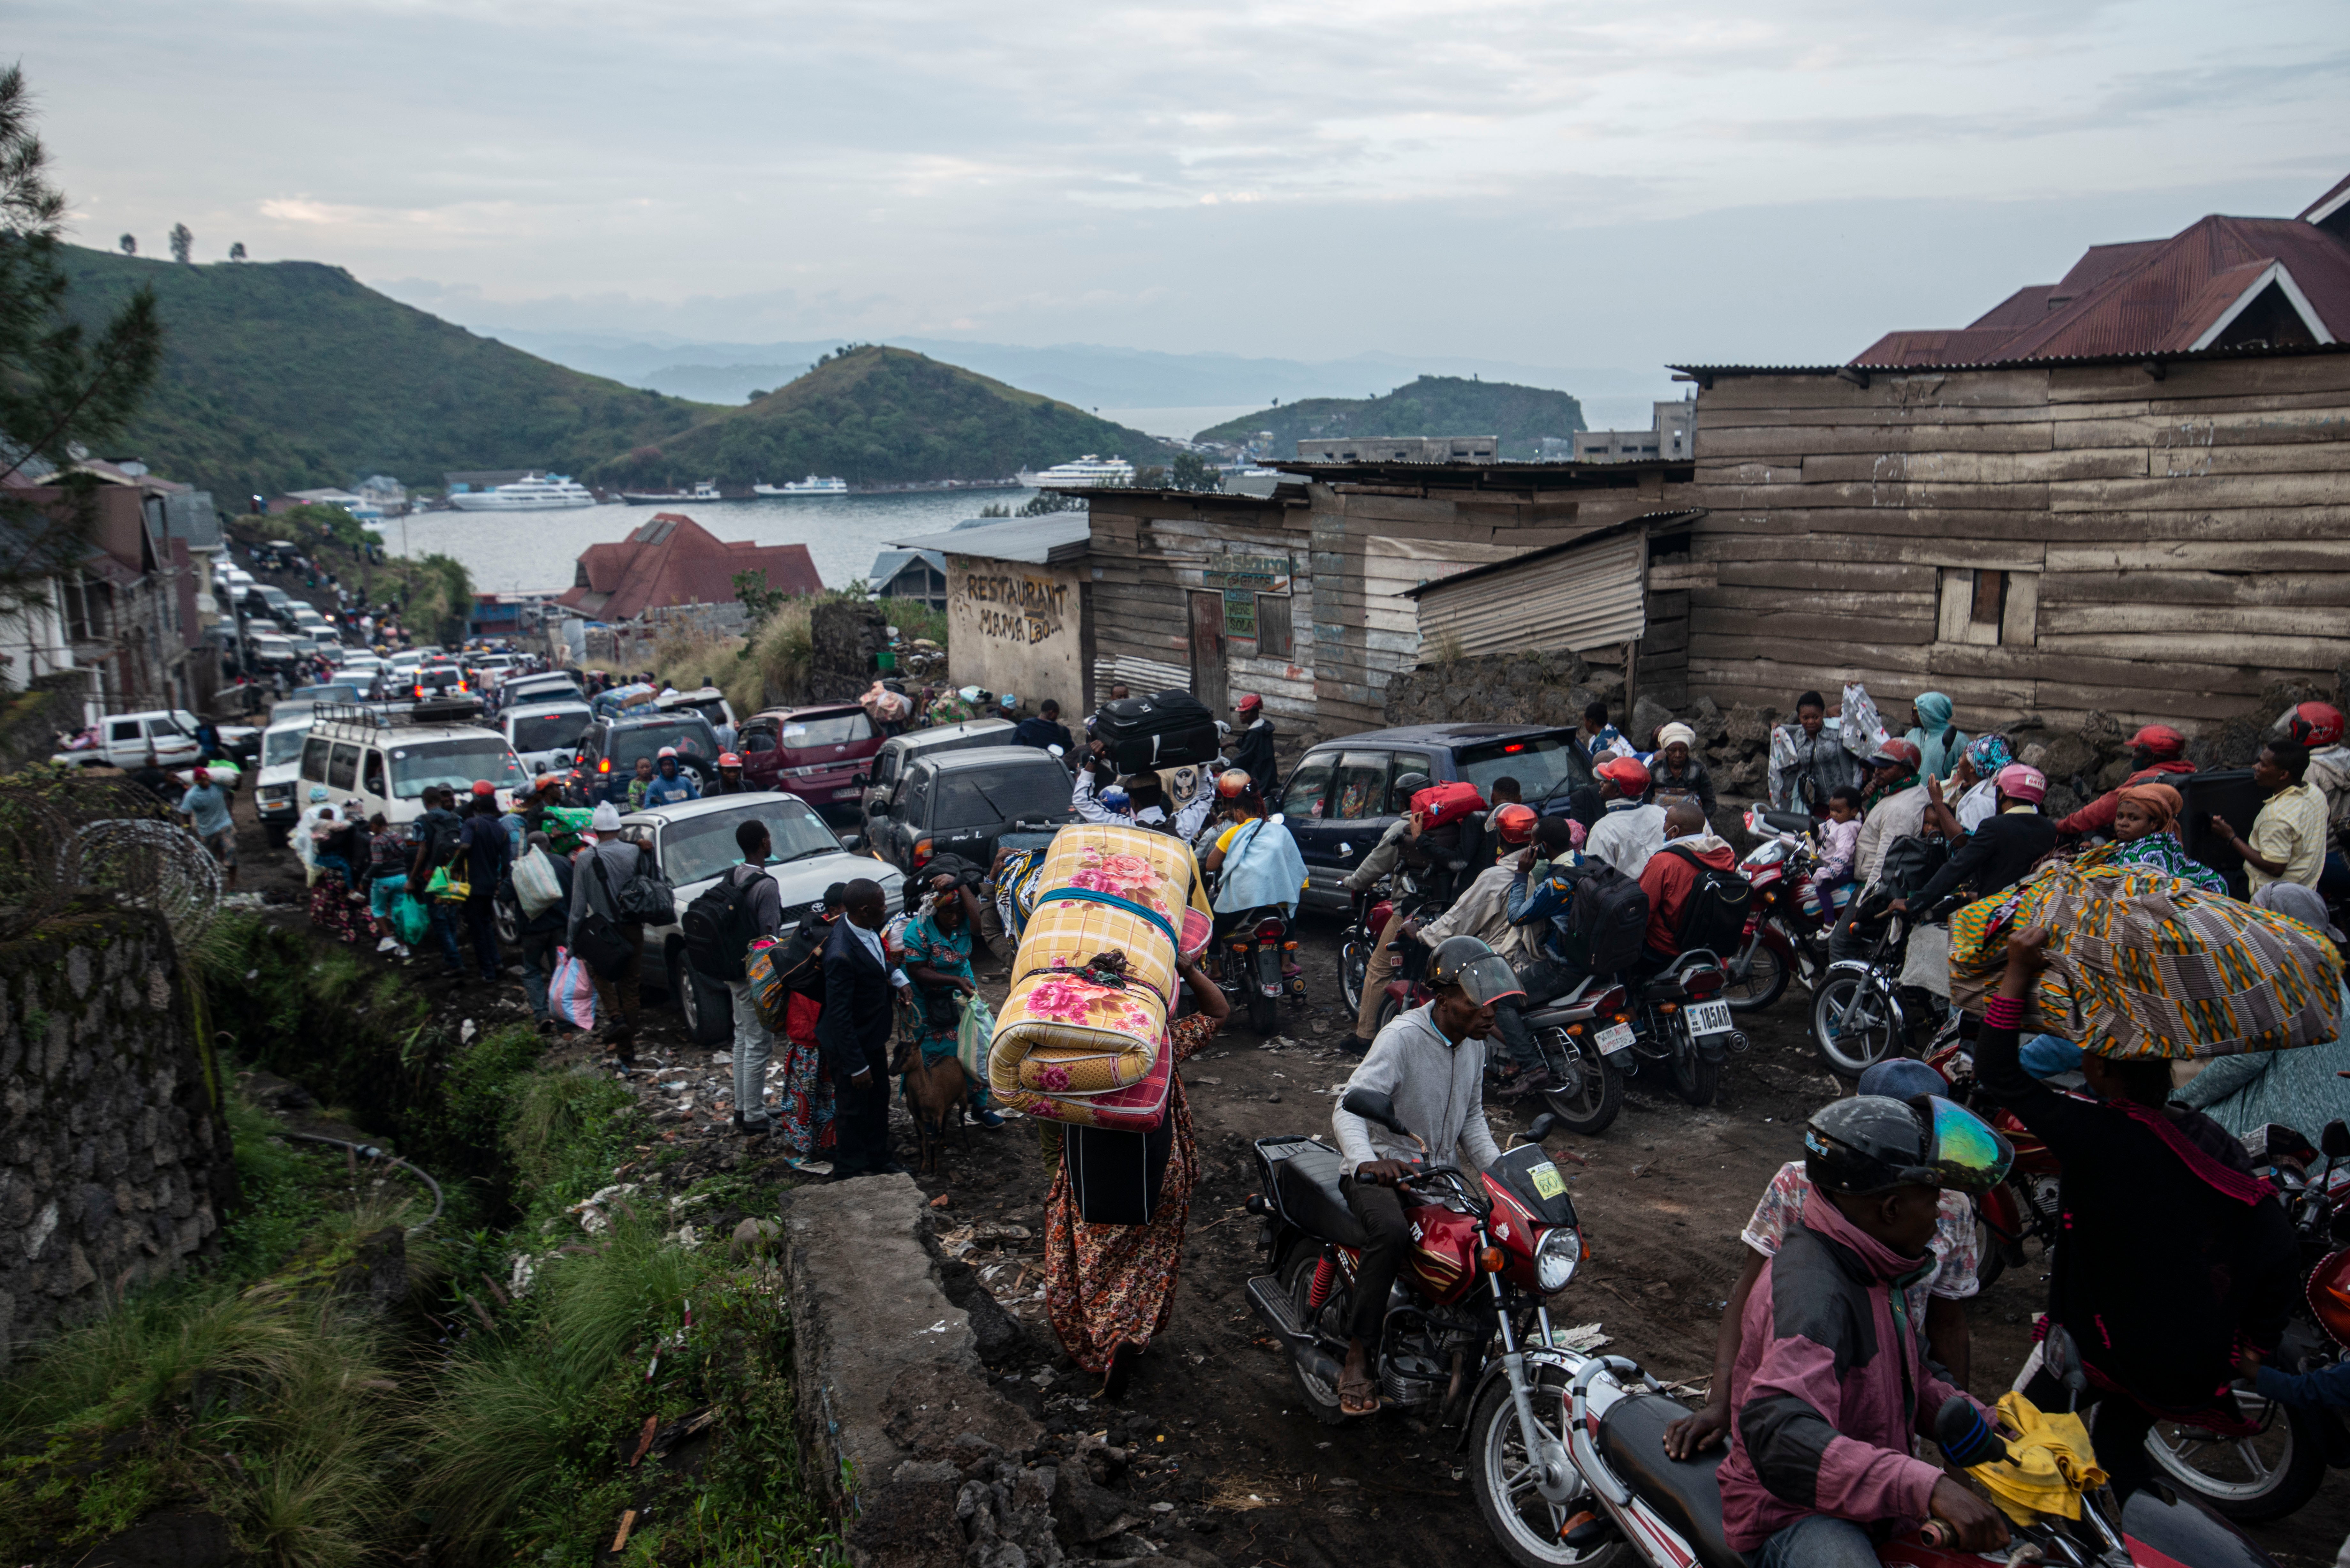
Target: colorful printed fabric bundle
[
  {"x": 1095, "y": 975},
  {"x": 2141, "y": 964}
]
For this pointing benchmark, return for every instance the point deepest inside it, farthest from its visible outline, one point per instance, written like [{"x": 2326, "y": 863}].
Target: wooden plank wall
[
  {"x": 2173, "y": 546},
  {"x": 1142, "y": 548}
]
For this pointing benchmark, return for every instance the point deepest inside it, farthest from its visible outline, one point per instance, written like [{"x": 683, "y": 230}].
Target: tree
[
  {"x": 750, "y": 591},
  {"x": 1149, "y": 476},
  {"x": 1050, "y": 502},
  {"x": 129, "y": 243},
  {"x": 756, "y": 394},
  {"x": 62, "y": 391},
  {"x": 1192, "y": 472},
  {"x": 236, "y": 250},
  {"x": 183, "y": 243}
]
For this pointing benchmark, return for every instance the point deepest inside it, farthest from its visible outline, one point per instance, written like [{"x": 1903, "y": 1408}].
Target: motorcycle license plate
[
  {"x": 1616, "y": 1038},
  {"x": 1708, "y": 1017}
]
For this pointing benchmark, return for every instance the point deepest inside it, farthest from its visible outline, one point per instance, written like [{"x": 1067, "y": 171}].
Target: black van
[
  {"x": 887, "y": 776},
  {"x": 961, "y": 802}
]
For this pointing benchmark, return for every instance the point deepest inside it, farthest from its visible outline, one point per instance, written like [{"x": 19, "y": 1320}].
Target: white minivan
[{"x": 386, "y": 759}]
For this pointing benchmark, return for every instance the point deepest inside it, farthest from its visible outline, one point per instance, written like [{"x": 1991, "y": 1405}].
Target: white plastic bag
[
  {"x": 1864, "y": 734},
  {"x": 536, "y": 887}
]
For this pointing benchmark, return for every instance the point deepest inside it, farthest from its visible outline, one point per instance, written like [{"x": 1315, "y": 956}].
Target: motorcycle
[
  {"x": 2025, "y": 1205},
  {"x": 1786, "y": 933},
  {"x": 1465, "y": 1327},
  {"x": 1613, "y": 1496},
  {"x": 1683, "y": 1023},
  {"x": 1369, "y": 917},
  {"x": 1260, "y": 967},
  {"x": 1858, "y": 1015}
]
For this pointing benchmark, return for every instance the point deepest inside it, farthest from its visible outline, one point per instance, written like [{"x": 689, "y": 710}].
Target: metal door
[{"x": 1207, "y": 652}]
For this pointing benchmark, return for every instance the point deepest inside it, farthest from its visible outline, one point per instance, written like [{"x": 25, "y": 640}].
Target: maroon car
[{"x": 812, "y": 753}]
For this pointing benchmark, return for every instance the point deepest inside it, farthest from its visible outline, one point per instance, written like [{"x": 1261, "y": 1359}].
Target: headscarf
[
  {"x": 2296, "y": 902},
  {"x": 2158, "y": 801},
  {"x": 1988, "y": 754},
  {"x": 1676, "y": 732},
  {"x": 1935, "y": 753}
]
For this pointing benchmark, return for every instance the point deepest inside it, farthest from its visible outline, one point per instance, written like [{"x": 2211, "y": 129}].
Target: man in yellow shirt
[{"x": 2288, "y": 842}]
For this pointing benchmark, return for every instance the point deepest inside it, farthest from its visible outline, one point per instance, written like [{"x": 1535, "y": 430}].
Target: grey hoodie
[{"x": 1438, "y": 1093}]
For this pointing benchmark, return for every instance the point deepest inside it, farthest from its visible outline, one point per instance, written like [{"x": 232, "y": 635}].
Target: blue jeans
[
  {"x": 443, "y": 916},
  {"x": 1817, "y": 1540},
  {"x": 538, "y": 968}
]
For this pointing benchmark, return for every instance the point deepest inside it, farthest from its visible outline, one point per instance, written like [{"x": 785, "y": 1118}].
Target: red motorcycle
[
  {"x": 1465, "y": 1329},
  {"x": 1786, "y": 926},
  {"x": 2024, "y": 1207}
]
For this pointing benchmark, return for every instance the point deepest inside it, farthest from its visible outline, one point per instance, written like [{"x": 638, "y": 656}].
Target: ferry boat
[
  {"x": 705, "y": 491},
  {"x": 811, "y": 485},
  {"x": 1087, "y": 470},
  {"x": 532, "y": 493}
]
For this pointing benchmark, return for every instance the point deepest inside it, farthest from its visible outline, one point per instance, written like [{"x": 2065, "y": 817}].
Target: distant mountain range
[
  {"x": 292, "y": 375},
  {"x": 1432, "y": 405},
  {"x": 1087, "y": 375},
  {"x": 880, "y": 416}
]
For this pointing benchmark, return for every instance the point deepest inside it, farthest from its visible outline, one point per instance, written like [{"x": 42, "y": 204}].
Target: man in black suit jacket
[{"x": 852, "y": 1034}]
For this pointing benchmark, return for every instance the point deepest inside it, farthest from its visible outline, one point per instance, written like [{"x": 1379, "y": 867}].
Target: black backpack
[
  {"x": 1607, "y": 920},
  {"x": 717, "y": 926},
  {"x": 1910, "y": 862},
  {"x": 1714, "y": 917}
]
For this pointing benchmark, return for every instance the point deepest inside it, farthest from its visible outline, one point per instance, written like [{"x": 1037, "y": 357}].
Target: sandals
[{"x": 1358, "y": 1395}]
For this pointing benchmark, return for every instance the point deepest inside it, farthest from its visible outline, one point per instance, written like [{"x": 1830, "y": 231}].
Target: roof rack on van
[{"x": 389, "y": 715}]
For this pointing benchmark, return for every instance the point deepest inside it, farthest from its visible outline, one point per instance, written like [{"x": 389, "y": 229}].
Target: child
[{"x": 1837, "y": 837}]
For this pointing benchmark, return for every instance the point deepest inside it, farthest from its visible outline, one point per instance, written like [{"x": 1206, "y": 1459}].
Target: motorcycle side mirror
[
  {"x": 1542, "y": 1127},
  {"x": 1374, "y": 1106},
  {"x": 2335, "y": 1141},
  {"x": 859, "y": 780}
]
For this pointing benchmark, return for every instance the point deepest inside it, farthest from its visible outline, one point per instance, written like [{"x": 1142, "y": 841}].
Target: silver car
[{"x": 693, "y": 845}]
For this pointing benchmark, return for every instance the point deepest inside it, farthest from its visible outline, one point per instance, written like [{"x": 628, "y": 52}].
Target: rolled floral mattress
[{"x": 1138, "y": 1107}]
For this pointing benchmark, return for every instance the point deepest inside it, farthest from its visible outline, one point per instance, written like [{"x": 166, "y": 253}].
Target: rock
[
  {"x": 1747, "y": 728},
  {"x": 1648, "y": 715},
  {"x": 377, "y": 1274},
  {"x": 755, "y": 1239},
  {"x": 2067, "y": 757},
  {"x": 2034, "y": 755},
  {"x": 1706, "y": 719},
  {"x": 1087, "y": 1512},
  {"x": 909, "y": 1525},
  {"x": 996, "y": 1334},
  {"x": 930, "y": 1405},
  {"x": 2111, "y": 775}
]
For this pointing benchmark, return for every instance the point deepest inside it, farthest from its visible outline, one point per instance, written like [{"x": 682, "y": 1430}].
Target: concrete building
[
  {"x": 1016, "y": 594},
  {"x": 1400, "y": 448},
  {"x": 1672, "y": 435}
]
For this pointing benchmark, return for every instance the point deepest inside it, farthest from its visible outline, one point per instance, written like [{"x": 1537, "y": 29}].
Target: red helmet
[
  {"x": 1233, "y": 784},
  {"x": 2160, "y": 740},
  {"x": 729, "y": 760},
  {"x": 1515, "y": 822},
  {"x": 1902, "y": 754},
  {"x": 2315, "y": 724},
  {"x": 1248, "y": 702},
  {"x": 1629, "y": 774}
]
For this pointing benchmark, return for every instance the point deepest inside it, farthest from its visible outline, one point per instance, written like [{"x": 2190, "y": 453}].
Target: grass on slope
[
  {"x": 882, "y": 415},
  {"x": 1430, "y": 406},
  {"x": 292, "y": 375}
]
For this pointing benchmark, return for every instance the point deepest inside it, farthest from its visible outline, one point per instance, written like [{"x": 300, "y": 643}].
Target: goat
[{"x": 933, "y": 1089}]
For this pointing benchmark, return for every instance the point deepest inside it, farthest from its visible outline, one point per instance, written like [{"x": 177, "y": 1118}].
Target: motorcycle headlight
[{"x": 1554, "y": 1258}]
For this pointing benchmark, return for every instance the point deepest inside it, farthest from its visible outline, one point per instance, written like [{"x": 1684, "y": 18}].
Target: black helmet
[
  {"x": 1871, "y": 1144},
  {"x": 1409, "y": 784},
  {"x": 1482, "y": 975}
]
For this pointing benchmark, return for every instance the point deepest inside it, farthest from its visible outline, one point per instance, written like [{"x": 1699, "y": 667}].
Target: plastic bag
[
  {"x": 410, "y": 920},
  {"x": 1862, "y": 731},
  {"x": 974, "y": 1033},
  {"x": 571, "y": 993},
  {"x": 536, "y": 887}
]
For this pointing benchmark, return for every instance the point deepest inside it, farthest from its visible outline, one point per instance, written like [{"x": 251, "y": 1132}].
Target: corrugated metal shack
[
  {"x": 1381, "y": 530},
  {"x": 1203, "y": 590}
]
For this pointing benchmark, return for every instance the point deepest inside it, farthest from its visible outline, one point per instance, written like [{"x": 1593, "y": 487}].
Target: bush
[{"x": 914, "y": 618}]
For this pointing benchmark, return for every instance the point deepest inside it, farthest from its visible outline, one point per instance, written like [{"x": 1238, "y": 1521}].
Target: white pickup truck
[{"x": 165, "y": 737}]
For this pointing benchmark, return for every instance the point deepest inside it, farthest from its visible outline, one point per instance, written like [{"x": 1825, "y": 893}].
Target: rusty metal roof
[{"x": 1703, "y": 374}]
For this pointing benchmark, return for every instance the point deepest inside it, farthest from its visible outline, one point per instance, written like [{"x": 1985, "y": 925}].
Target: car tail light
[
  {"x": 1268, "y": 930},
  {"x": 922, "y": 850},
  {"x": 1702, "y": 982},
  {"x": 605, "y": 766}
]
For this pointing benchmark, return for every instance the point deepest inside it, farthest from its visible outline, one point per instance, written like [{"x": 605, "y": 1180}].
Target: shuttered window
[{"x": 1273, "y": 639}]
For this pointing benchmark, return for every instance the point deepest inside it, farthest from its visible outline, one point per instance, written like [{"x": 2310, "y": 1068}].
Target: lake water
[{"x": 508, "y": 552}]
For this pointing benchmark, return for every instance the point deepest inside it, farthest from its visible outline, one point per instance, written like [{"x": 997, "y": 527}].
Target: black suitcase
[
  {"x": 1172, "y": 730},
  {"x": 1116, "y": 1176},
  {"x": 2224, "y": 792}
]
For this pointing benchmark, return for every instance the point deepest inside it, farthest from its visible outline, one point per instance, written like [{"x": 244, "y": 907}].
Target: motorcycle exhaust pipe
[{"x": 1272, "y": 1305}]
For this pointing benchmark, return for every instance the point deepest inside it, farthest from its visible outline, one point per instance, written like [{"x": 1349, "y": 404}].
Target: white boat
[
  {"x": 811, "y": 485},
  {"x": 1087, "y": 470},
  {"x": 532, "y": 493},
  {"x": 707, "y": 490}
]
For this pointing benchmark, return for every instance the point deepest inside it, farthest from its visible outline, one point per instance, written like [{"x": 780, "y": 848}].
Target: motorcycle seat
[
  {"x": 1683, "y": 1492},
  {"x": 1554, "y": 1011},
  {"x": 1307, "y": 1186},
  {"x": 1795, "y": 822}
]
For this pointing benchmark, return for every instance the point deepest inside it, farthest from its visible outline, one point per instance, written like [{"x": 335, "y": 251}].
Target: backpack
[
  {"x": 717, "y": 926},
  {"x": 1607, "y": 922},
  {"x": 1714, "y": 917},
  {"x": 1910, "y": 862}
]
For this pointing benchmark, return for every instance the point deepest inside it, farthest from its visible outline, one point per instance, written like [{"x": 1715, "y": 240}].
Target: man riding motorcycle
[
  {"x": 1417, "y": 1062},
  {"x": 1831, "y": 1379}
]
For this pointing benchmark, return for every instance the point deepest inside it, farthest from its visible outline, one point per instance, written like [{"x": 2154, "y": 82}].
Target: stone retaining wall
[{"x": 114, "y": 1159}]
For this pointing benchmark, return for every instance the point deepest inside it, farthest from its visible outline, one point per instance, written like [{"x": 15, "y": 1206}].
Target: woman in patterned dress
[
  {"x": 2146, "y": 834},
  {"x": 1108, "y": 1288},
  {"x": 938, "y": 961}
]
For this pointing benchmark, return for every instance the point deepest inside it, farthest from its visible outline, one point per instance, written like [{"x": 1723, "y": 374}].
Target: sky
[{"x": 1556, "y": 183}]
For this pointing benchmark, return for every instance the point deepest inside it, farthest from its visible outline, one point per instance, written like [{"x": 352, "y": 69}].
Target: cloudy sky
[{"x": 1550, "y": 182}]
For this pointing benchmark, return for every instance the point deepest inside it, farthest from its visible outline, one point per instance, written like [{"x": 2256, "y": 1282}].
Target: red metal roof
[
  {"x": 2152, "y": 296},
  {"x": 673, "y": 560}
]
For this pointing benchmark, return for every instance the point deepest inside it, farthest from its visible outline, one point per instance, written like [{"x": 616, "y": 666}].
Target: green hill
[
  {"x": 1430, "y": 406},
  {"x": 881, "y": 416},
  {"x": 292, "y": 375}
]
